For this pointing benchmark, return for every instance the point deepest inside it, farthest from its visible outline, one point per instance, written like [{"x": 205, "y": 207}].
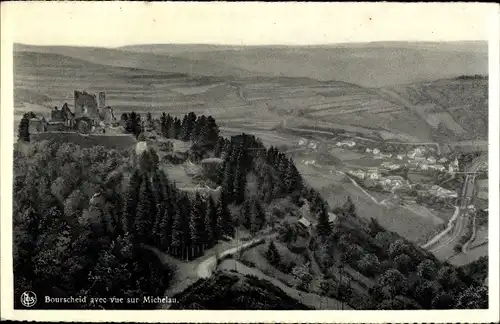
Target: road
[
  {"x": 206, "y": 268},
  {"x": 310, "y": 299},
  {"x": 443, "y": 243}
]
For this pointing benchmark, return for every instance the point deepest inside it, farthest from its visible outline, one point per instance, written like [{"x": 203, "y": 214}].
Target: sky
[{"x": 113, "y": 24}]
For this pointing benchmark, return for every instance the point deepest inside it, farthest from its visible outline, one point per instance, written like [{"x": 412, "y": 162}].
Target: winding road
[{"x": 443, "y": 243}]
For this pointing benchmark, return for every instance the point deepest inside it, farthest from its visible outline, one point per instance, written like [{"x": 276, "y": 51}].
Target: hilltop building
[{"x": 89, "y": 112}]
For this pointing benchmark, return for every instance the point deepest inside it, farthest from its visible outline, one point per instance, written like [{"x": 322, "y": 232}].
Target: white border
[{"x": 459, "y": 316}]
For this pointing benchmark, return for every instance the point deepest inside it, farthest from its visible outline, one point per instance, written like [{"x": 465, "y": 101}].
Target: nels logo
[{"x": 28, "y": 299}]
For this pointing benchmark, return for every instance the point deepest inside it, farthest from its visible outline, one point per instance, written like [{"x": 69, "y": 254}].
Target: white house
[
  {"x": 391, "y": 166},
  {"x": 304, "y": 222},
  {"x": 439, "y": 167},
  {"x": 415, "y": 153},
  {"x": 400, "y": 157},
  {"x": 373, "y": 174},
  {"x": 313, "y": 145},
  {"x": 346, "y": 143},
  {"x": 431, "y": 159},
  {"x": 302, "y": 142},
  {"x": 376, "y": 151},
  {"x": 424, "y": 166},
  {"x": 368, "y": 150},
  {"x": 357, "y": 173}
]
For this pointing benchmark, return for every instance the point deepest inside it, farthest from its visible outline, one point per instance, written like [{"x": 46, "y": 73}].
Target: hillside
[
  {"x": 145, "y": 60},
  {"x": 45, "y": 80},
  {"x": 388, "y": 63},
  {"x": 189, "y": 197},
  {"x": 453, "y": 107},
  {"x": 232, "y": 291},
  {"x": 145, "y": 82}
]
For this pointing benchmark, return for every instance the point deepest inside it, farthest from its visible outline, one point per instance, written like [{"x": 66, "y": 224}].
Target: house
[
  {"x": 424, "y": 166},
  {"x": 376, "y": 151},
  {"x": 391, "y": 166},
  {"x": 302, "y": 142},
  {"x": 368, "y": 150},
  {"x": 357, "y": 173},
  {"x": 442, "y": 192},
  {"x": 313, "y": 145},
  {"x": 439, "y": 167},
  {"x": 387, "y": 156},
  {"x": 346, "y": 143},
  {"x": 310, "y": 162},
  {"x": 400, "y": 156},
  {"x": 443, "y": 160},
  {"x": 431, "y": 159},
  {"x": 415, "y": 153},
  {"x": 304, "y": 222},
  {"x": 395, "y": 181},
  {"x": 373, "y": 174}
]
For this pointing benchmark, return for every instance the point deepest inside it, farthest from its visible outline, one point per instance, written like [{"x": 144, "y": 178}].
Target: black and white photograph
[{"x": 174, "y": 162}]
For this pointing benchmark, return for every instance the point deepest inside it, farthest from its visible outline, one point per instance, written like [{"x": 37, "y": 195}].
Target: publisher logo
[{"x": 28, "y": 299}]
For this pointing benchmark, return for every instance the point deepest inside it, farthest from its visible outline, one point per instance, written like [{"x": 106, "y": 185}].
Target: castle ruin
[{"x": 89, "y": 112}]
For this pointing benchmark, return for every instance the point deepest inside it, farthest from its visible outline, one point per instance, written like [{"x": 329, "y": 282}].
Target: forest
[{"x": 83, "y": 219}]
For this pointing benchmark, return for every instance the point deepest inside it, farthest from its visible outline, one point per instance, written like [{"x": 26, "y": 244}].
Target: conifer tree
[
  {"x": 158, "y": 192},
  {"x": 272, "y": 254},
  {"x": 239, "y": 180},
  {"x": 228, "y": 180},
  {"x": 143, "y": 220},
  {"x": 170, "y": 127},
  {"x": 219, "y": 146},
  {"x": 23, "y": 131},
  {"x": 132, "y": 198},
  {"x": 258, "y": 217},
  {"x": 324, "y": 229},
  {"x": 163, "y": 124},
  {"x": 210, "y": 223},
  {"x": 176, "y": 128},
  {"x": 199, "y": 125},
  {"x": 186, "y": 207},
  {"x": 224, "y": 220},
  {"x": 196, "y": 225},
  {"x": 177, "y": 242},
  {"x": 210, "y": 132},
  {"x": 246, "y": 215},
  {"x": 349, "y": 207}
]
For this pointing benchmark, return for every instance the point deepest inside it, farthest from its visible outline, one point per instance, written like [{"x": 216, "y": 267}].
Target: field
[
  {"x": 249, "y": 87},
  {"x": 461, "y": 106}
]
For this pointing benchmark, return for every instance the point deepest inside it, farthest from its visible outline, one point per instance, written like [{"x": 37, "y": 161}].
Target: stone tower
[{"x": 102, "y": 100}]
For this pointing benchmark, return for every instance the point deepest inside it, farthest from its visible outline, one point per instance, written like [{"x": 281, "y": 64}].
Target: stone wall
[{"x": 124, "y": 141}]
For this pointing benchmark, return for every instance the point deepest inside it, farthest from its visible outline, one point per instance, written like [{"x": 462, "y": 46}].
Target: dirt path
[{"x": 309, "y": 299}]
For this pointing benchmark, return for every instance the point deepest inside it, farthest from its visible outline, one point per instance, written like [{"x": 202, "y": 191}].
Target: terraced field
[{"x": 461, "y": 106}]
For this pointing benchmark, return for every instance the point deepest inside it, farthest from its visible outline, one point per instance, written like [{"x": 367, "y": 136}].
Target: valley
[{"x": 353, "y": 182}]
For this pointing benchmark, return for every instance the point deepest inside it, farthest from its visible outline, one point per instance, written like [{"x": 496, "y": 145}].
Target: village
[{"x": 409, "y": 173}]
